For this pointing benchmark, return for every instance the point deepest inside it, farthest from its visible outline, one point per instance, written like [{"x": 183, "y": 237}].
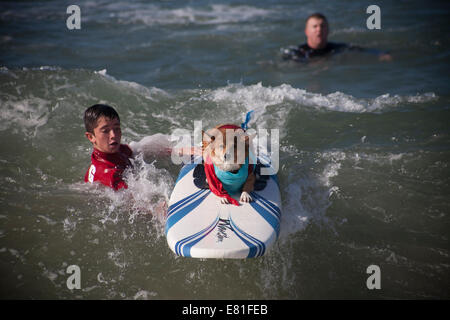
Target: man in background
[{"x": 317, "y": 45}]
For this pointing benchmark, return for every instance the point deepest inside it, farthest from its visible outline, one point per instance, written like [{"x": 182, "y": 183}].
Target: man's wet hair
[
  {"x": 316, "y": 15},
  {"x": 95, "y": 112}
]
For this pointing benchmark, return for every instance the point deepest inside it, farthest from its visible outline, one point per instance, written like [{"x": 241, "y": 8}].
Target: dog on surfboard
[{"x": 227, "y": 160}]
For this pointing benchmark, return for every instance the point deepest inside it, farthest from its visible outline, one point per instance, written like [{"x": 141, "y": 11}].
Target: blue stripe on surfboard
[
  {"x": 267, "y": 215},
  {"x": 276, "y": 210},
  {"x": 267, "y": 204},
  {"x": 178, "y": 204},
  {"x": 184, "y": 210},
  {"x": 257, "y": 247},
  {"x": 185, "y": 170},
  {"x": 275, "y": 178},
  {"x": 188, "y": 246},
  {"x": 253, "y": 249},
  {"x": 183, "y": 247}
]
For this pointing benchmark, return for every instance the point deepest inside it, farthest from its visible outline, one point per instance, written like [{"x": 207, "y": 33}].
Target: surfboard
[{"x": 199, "y": 226}]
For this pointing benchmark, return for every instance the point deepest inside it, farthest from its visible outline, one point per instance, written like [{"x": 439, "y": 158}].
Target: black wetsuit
[{"x": 304, "y": 52}]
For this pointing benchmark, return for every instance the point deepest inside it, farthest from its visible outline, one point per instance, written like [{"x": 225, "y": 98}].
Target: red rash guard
[{"x": 107, "y": 168}]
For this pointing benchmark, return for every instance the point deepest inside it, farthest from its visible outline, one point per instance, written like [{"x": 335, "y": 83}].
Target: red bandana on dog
[{"x": 215, "y": 185}]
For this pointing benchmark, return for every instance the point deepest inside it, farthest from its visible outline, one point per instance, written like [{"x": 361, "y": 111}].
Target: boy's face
[{"x": 107, "y": 135}]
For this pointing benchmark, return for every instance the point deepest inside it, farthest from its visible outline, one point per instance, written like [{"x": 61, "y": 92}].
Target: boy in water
[{"x": 109, "y": 158}]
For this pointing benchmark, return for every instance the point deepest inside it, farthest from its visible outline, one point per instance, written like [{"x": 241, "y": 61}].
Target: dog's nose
[{"x": 227, "y": 157}]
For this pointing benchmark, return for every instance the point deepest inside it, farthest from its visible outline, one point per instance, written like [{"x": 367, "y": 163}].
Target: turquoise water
[{"x": 364, "y": 146}]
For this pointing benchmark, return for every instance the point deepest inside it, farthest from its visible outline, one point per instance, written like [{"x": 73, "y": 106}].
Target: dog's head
[{"x": 227, "y": 146}]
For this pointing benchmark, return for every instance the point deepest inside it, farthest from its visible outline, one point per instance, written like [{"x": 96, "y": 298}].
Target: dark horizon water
[{"x": 364, "y": 146}]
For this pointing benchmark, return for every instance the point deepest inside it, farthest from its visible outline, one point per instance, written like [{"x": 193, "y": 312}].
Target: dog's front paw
[
  {"x": 245, "y": 197},
  {"x": 224, "y": 201}
]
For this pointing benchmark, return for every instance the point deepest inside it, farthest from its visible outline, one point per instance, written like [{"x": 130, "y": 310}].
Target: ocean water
[{"x": 364, "y": 146}]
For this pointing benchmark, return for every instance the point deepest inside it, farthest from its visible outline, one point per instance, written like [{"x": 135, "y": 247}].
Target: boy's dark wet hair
[{"x": 93, "y": 113}]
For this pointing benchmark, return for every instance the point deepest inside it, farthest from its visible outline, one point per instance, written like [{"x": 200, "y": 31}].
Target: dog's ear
[
  {"x": 247, "y": 138},
  {"x": 206, "y": 140}
]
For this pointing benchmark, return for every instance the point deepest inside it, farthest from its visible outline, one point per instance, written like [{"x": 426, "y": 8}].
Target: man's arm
[{"x": 382, "y": 55}]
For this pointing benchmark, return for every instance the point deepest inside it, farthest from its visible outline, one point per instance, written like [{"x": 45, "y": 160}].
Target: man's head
[
  {"x": 103, "y": 128},
  {"x": 316, "y": 31}
]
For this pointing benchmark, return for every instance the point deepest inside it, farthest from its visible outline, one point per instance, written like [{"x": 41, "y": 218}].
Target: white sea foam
[
  {"x": 313, "y": 181},
  {"x": 145, "y": 198},
  {"x": 26, "y": 115},
  {"x": 272, "y": 105},
  {"x": 144, "y": 295},
  {"x": 47, "y": 219},
  {"x": 147, "y": 194},
  {"x": 387, "y": 158},
  {"x": 215, "y": 14},
  {"x": 118, "y": 257},
  {"x": 334, "y": 159},
  {"x": 148, "y": 93},
  {"x": 142, "y": 12},
  {"x": 357, "y": 30},
  {"x": 295, "y": 217},
  {"x": 258, "y": 96},
  {"x": 306, "y": 197}
]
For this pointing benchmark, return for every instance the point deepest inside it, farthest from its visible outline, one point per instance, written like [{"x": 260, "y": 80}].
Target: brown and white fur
[{"x": 229, "y": 154}]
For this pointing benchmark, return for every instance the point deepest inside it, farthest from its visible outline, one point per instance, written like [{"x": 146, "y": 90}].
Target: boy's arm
[
  {"x": 128, "y": 151},
  {"x": 192, "y": 151},
  {"x": 151, "y": 147},
  {"x": 149, "y": 150}
]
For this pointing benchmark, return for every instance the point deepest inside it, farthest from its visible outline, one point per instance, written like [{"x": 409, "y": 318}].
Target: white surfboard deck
[{"x": 199, "y": 226}]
